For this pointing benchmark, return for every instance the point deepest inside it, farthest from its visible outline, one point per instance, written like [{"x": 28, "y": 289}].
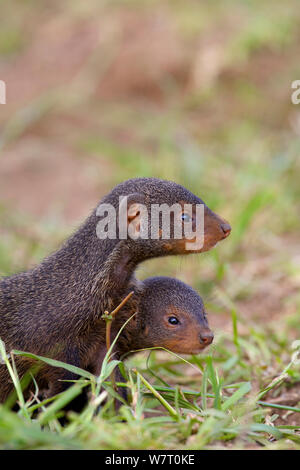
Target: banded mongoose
[
  {"x": 162, "y": 313},
  {"x": 166, "y": 313},
  {"x": 55, "y": 308}
]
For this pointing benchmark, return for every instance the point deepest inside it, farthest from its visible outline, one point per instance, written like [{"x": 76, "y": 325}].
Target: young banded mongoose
[
  {"x": 55, "y": 309},
  {"x": 164, "y": 313},
  {"x": 167, "y": 314}
]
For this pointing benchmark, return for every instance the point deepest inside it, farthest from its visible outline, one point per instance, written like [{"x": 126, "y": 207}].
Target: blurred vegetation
[{"x": 198, "y": 93}]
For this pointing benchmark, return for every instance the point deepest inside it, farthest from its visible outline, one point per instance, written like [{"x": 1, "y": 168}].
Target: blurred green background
[{"x": 196, "y": 92}]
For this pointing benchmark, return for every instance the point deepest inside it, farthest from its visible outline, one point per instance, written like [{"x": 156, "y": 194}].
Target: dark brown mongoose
[
  {"x": 168, "y": 314},
  {"x": 165, "y": 313},
  {"x": 55, "y": 309}
]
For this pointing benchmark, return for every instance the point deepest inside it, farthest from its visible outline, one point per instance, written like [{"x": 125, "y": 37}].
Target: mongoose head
[
  {"x": 158, "y": 213},
  {"x": 171, "y": 315}
]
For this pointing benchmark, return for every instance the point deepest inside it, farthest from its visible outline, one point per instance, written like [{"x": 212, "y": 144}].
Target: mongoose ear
[
  {"x": 135, "y": 198},
  {"x": 136, "y": 212}
]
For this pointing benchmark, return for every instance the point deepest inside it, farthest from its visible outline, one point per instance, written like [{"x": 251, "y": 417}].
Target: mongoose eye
[
  {"x": 186, "y": 217},
  {"x": 173, "y": 320}
]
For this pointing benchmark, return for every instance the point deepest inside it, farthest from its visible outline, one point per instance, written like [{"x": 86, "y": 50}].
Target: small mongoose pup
[
  {"x": 168, "y": 314},
  {"x": 165, "y": 313},
  {"x": 55, "y": 308}
]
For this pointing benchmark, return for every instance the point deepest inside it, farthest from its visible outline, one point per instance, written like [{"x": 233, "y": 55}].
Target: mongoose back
[{"x": 55, "y": 308}]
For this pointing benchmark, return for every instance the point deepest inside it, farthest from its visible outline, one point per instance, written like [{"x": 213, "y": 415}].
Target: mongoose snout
[
  {"x": 206, "y": 337},
  {"x": 226, "y": 229}
]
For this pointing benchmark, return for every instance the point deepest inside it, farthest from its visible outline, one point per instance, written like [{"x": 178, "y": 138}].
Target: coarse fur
[
  {"x": 156, "y": 300},
  {"x": 55, "y": 309}
]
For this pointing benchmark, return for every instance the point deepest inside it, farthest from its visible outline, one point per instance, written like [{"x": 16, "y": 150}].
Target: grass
[
  {"x": 233, "y": 140},
  {"x": 229, "y": 407}
]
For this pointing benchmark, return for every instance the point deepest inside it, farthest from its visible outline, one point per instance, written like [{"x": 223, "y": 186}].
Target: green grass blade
[
  {"x": 236, "y": 396},
  {"x": 157, "y": 395},
  {"x": 56, "y": 363}
]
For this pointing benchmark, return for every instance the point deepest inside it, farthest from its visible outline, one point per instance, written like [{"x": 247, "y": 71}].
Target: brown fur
[
  {"x": 156, "y": 300},
  {"x": 55, "y": 309}
]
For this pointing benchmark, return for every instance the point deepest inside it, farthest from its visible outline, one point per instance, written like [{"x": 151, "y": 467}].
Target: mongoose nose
[
  {"x": 226, "y": 229},
  {"x": 206, "y": 337}
]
